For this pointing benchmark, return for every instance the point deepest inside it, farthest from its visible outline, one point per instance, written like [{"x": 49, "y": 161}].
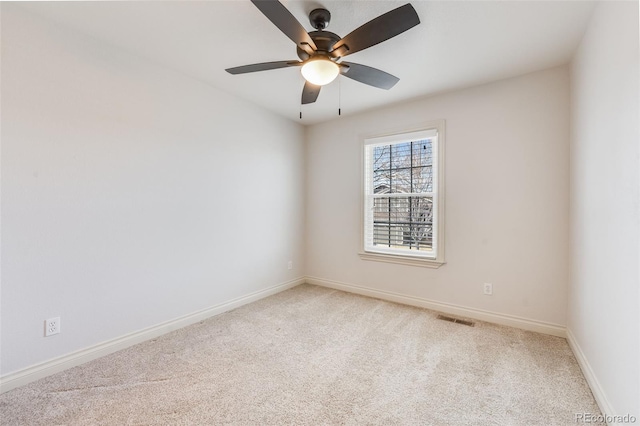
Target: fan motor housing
[{"x": 324, "y": 41}]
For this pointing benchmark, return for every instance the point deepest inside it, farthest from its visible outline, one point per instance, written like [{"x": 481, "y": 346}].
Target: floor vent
[{"x": 455, "y": 320}]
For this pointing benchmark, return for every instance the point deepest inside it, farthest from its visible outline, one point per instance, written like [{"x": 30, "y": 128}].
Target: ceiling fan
[{"x": 321, "y": 51}]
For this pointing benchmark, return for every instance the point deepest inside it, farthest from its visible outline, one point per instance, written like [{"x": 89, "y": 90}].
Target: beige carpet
[{"x": 312, "y": 355}]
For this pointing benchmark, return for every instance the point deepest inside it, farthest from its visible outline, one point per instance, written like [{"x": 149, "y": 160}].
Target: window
[{"x": 403, "y": 197}]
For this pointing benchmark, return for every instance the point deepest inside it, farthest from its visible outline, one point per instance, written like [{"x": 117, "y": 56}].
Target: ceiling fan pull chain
[{"x": 339, "y": 96}]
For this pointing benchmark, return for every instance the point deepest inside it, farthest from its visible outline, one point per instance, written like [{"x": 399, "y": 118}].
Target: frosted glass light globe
[{"x": 320, "y": 71}]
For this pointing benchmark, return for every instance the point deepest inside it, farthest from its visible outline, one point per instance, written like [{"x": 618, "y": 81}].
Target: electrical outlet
[
  {"x": 290, "y": 265},
  {"x": 52, "y": 326},
  {"x": 488, "y": 289}
]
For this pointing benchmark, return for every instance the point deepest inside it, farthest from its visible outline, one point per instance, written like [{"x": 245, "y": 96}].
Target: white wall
[
  {"x": 131, "y": 195},
  {"x": 507, "y": 191},
  {"x": 603, "y": 319}
]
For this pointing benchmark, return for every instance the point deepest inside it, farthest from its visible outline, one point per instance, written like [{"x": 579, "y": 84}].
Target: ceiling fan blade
[
  {"x": 377, "y": 30},
  {"x": 286, "y": 22},
  {"x": 310, "y": 93},
  {"x": 368, "y": 75},
  {"x": 264, "y": 66}
]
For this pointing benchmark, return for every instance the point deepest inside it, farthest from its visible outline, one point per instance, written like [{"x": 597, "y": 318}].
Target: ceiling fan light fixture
[{"x": 320, "y": 71}]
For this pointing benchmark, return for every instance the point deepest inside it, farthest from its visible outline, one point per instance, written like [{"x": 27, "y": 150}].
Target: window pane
[
  {"x": 381, "y": 182},
  {"x": 401, "y": 181},
  {"x": 403, "y": 223},
  {"x": 421, "y": 229},
  {"x": 422, "y": 179},
  {"x": 401, "y": 155},
  {"x": 381, "y": 169},
  {"x": 422, "y": 153},
  {"x": 381, "y": 159}
]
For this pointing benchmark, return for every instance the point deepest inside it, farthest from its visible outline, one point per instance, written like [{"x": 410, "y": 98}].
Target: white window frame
[{"x": 436, "y": 132}]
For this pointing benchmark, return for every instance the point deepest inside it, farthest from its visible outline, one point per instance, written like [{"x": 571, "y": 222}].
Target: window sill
[{"x": 402, "y": 260}]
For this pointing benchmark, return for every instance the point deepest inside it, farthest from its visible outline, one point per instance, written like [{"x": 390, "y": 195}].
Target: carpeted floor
[{"x": 312, "y": 355}]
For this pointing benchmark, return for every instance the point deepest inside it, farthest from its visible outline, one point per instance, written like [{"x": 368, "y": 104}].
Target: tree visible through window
[
  {"x": 401, "y": 194},
  {"x": 404, "y": 219}
]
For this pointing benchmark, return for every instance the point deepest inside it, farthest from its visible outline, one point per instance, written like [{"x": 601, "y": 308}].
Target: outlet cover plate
[
  {"x": 488, "y": 289},
  {"x": 52, "y": 326}
]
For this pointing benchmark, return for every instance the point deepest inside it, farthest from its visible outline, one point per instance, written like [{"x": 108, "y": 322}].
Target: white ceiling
[{"x": 458, "y": 44}]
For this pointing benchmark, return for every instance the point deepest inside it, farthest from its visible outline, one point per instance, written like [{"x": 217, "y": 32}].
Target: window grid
[{"x": 402, "y": 195}]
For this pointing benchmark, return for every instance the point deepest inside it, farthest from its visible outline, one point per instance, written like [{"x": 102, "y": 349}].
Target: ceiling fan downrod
[{"x": 319, "y": 18}]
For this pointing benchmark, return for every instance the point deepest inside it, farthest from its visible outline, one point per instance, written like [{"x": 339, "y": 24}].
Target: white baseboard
[
  {"x": 589, "y": 375},
  {"x": 493, "y": 317},
  {"x": 47, "y": 368}
]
